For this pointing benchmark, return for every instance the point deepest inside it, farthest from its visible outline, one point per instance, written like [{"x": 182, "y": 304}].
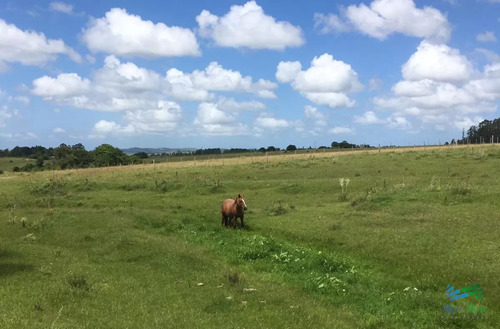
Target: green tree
[
  {"x": 107, "y": 155},
  {"x": 39, "y": 162},
  {"x": 291, "y": 147},
  {"x": 78, "y": 146},
  {"x": 83, "y": 158},
  {"x": 64, "y": 156},
  {"x": 271, "y": 149},
  {"x": 141, "y": 155}
]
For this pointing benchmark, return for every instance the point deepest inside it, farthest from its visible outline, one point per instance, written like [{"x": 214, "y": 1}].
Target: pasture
[
  {"x": 8, "y": 163},
  {"x": 143, "y": 246}
]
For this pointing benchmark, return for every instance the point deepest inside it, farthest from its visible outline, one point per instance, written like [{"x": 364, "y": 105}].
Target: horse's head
[{"x": 240, "y": 202}]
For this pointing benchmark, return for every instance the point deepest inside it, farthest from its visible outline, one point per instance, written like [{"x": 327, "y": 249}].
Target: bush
[
  {"x": 78, "y": 282},
  {"x": 463, "y": 188},
  {"x": 278, "y": 209},
  {"x": 1, "y": 172}
]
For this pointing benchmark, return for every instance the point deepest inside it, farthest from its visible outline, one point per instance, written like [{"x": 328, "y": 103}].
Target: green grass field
[
  {"x": 8, "y": 163},
  {"x": 143, "y": 246}
]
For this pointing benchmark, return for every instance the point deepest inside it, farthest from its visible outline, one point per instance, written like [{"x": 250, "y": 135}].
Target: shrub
[
  {"x": 234, "y": 277},
  {"x": 78, "y": 282},
  {"x": 463, "y": 188},
  {"x": 278, "y": 209},
  {"x": 50, "y": 187}
]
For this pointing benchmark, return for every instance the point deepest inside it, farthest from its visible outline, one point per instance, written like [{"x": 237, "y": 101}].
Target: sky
[{"x": 246, "y": 74}]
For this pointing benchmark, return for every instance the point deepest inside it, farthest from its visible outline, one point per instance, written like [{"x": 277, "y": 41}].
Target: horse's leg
[
  {"x": 224, "y": 219},
  {"x": 242, "y": 224}
]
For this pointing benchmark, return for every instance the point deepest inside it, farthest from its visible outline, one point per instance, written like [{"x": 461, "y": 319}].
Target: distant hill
[{"x": 134, "y": 150}]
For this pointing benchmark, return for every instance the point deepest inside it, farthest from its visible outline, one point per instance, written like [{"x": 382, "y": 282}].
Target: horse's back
[{"x": 226, "y": 205}]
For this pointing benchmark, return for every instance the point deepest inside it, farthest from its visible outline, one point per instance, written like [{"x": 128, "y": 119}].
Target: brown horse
[{"x": 232, "y": 209}]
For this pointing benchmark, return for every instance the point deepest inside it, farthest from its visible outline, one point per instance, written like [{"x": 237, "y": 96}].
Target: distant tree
[
  {"x": 484, "y": 131},
  {"x": 271, "y": 149},
  {"x": 78, "y": 146},
  {"x": 291, "y": 147},
  {"x": 141, "y": 155},
  {"x": 208, "y": 151},
  {"x": 237, "y": 150},
  {"x": 64, "y": 156},
  {"x": 39, "y": 163},
  {"x": 20, "y": 151},
  {"x": 39, "y": 151},
  {"x": 343, "y": 144},
  {"x": 107, "y": 155},
  {"x": 82, "y": 158},
  {"x": 262, "y": 149}
]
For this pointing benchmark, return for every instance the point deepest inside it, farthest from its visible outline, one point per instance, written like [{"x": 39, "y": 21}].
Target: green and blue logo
[
  {"x": 475, "y": 290},
  {"x": 460, "y": 309}
]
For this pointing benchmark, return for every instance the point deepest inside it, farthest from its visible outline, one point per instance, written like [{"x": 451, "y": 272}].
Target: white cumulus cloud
[
  {"x": 248, "y": 26},
  {"x": 121, "y": 33},
  {"x": 326, "y": 82},
  {"x": 437, "y": 62},
  {"x": 214, "y": 121},
  {"x": 440, "y": 88},
  {"x": 65, "y": 85},
  {"x": 312, "y": 112},
  {"x": 30, "y": 47},
  {"x": 127, "y": 77},
  {"x": 385, "y": 17},
  {"x": 288, "y": 71},
  {"x": 267, "y": 121},
  {"x": 215, "y": 78}
]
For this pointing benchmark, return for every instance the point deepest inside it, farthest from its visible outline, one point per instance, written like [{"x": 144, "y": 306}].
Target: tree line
[
  {"x": 67, "y": 157},
  {"x": 77, "y": 156},
  {"x": 487, "y": 131}
]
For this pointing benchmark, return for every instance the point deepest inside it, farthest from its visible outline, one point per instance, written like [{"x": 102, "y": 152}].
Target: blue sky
[{"x": 246, "y": 73}]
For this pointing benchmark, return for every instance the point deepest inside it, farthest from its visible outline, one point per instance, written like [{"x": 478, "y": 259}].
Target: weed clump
[
  {"x": 78, "y": 282},
  {"x": 463, "y": 188},
  {"x": 217, "y": 186},
  {"x": 51, "y": 187},
  {"x": 435, "y": 184},
  {"x": 234, "y": 277},
  {"x": 259, "y": 247},
  {"x": 343, "y": 185},
  {"x": 162, "y": 186},
  {"x": 278, "y": 209}
]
